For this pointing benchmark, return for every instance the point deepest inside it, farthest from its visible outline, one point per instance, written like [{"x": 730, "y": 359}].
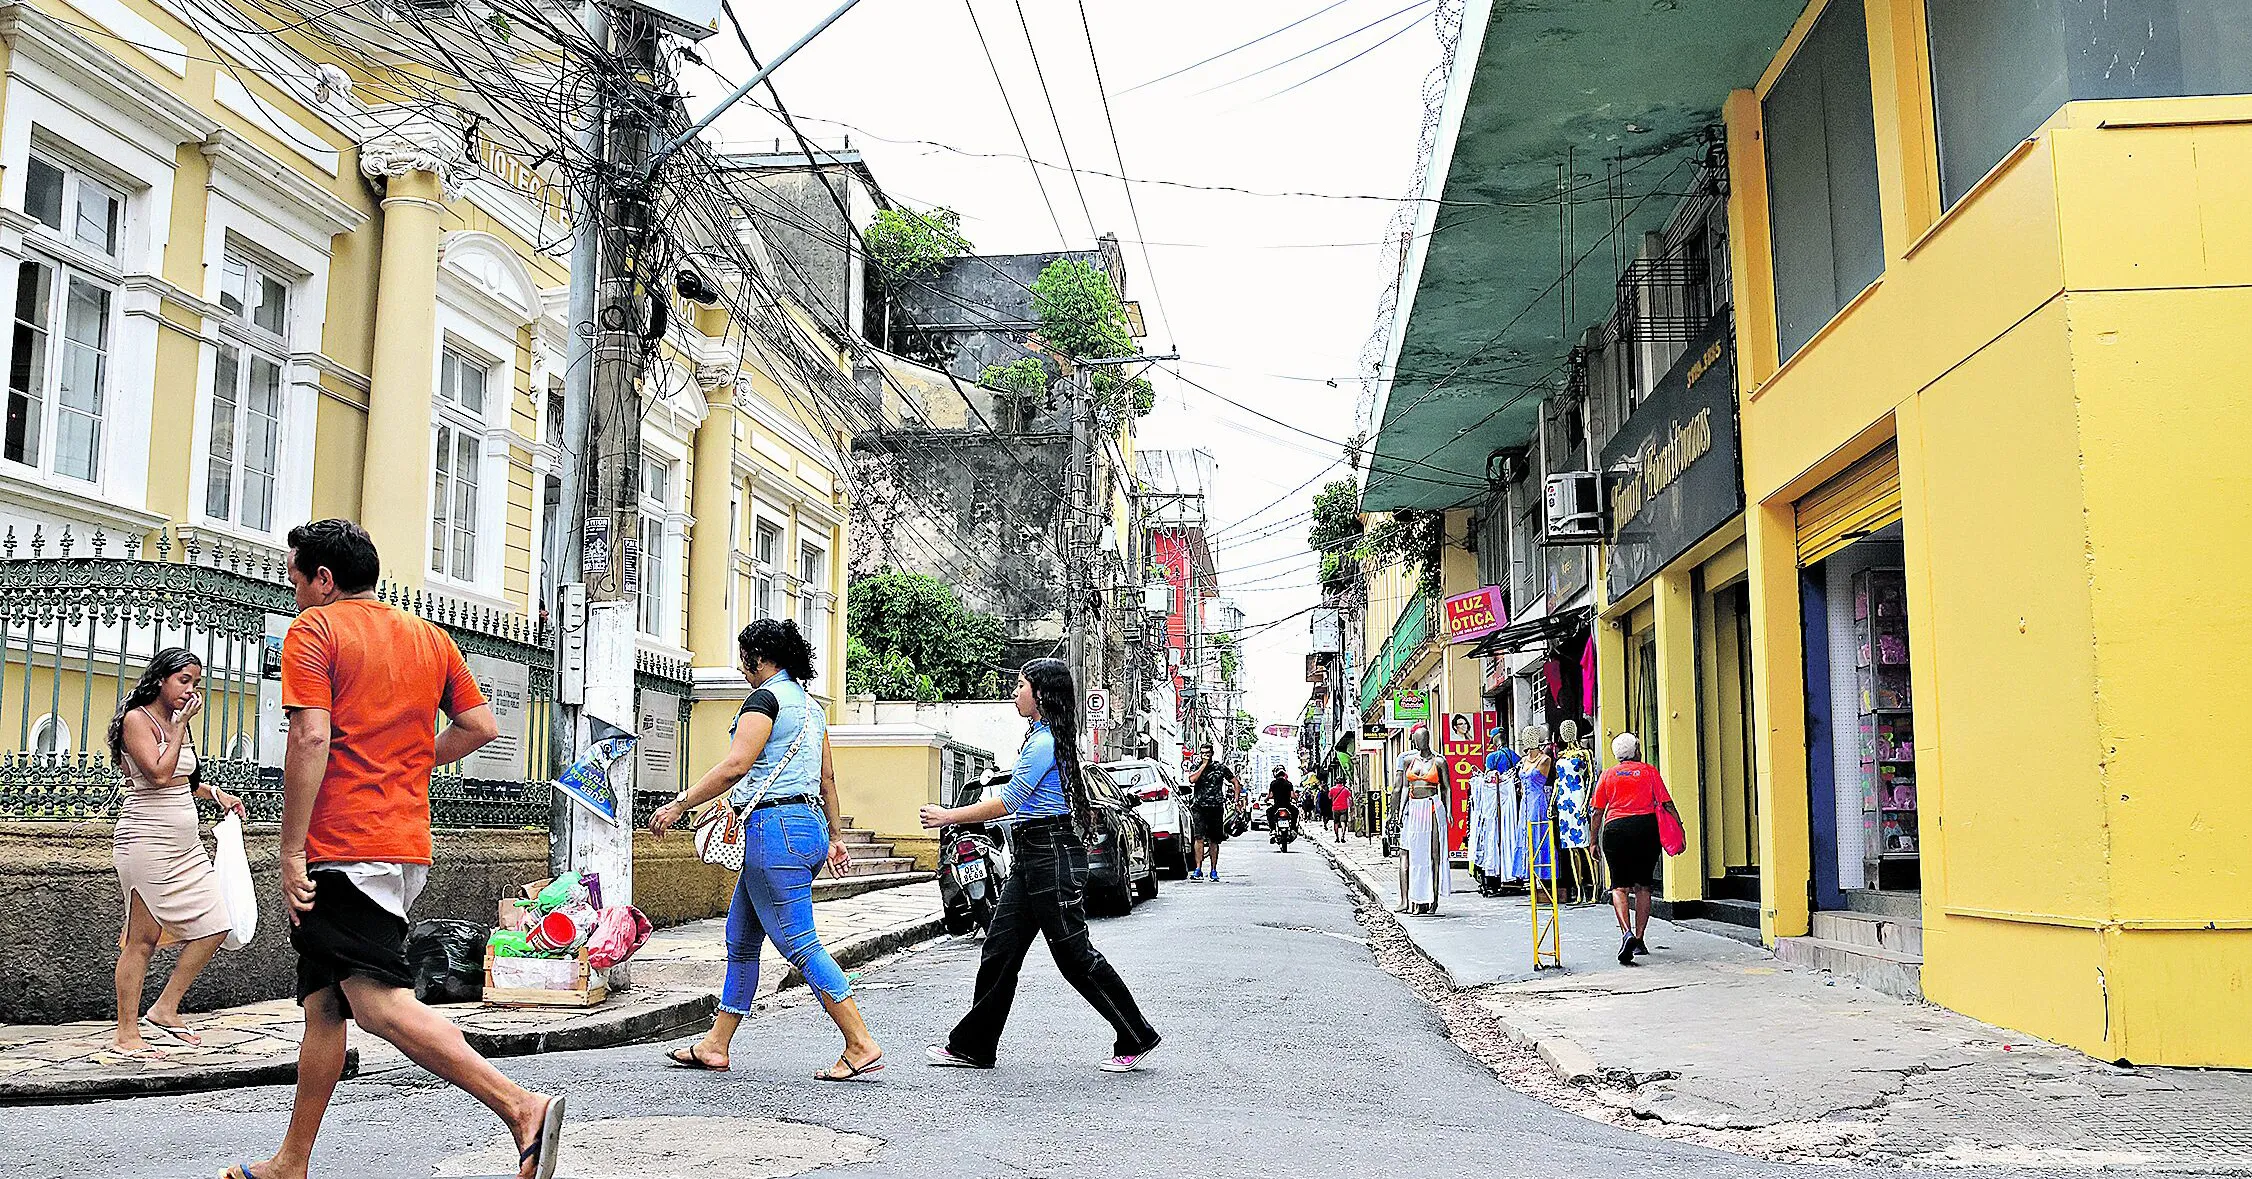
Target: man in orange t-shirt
[{"x": 362, "y": 683}]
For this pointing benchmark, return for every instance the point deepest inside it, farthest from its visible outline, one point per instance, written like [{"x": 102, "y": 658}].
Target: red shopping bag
[{"x": 1670, "y": 836}]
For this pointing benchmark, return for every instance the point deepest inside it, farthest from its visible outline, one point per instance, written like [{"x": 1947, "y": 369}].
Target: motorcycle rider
[{"x": 1279, "y": 795}]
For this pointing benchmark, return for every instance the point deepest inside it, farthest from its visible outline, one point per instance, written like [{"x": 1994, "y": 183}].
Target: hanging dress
[
  {"x": 1574, "y": 825},
  {"x": 1534, "y": 820},
  {"x": 1485, "y": 825},
  {"x": 1509, "y": 818}
]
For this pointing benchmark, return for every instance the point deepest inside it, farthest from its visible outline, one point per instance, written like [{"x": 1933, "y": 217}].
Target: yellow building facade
[
  {"x": 2033, "y": 393},
  {"x": 249, "y": 293}
]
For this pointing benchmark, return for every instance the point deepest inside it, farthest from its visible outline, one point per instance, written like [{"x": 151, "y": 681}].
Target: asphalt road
[{"x": 1288, "y": 1052}]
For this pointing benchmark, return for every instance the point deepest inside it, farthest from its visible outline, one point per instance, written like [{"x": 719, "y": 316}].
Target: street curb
[
  {"x": 1565, "y": 1058},
  {"x": 692, "y": 1009},
  {"x": 203, "y": 1080},
  {"x": 687, "y": 1011}
]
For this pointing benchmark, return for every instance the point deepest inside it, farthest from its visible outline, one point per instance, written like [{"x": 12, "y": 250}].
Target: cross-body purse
[{"x": 719, "y": 834}]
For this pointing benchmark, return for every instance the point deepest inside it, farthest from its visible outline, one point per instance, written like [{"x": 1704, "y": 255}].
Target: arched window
[{"x": 50, "y": 738}]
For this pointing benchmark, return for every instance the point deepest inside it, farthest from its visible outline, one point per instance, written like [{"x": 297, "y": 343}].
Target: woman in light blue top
[
  {"x": 779, "y": 777},
  {"x": 1045, "y": 804}
]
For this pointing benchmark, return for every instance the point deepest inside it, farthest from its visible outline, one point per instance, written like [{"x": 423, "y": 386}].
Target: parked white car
[{"x": 1156, "y": 792}]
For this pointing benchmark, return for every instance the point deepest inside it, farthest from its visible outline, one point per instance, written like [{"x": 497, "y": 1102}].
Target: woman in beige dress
[{"x": 171, "y": 891}]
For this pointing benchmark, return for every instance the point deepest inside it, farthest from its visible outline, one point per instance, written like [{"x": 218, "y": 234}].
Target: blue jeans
[{"x": 782, "y": 848}]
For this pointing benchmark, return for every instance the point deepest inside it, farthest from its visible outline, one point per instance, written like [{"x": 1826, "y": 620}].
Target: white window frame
[
  {"x": 657, "y": 608},
  {"x": 816, "y": 603},
  {"x": 58, "y": 96},
  {"x": 250, "y": 342},
  {"x": 451, "y": 425},
  {"x": 487, "y": 297},
  {"x": 259, "y": 209},
  {"x": 40, "y": 729},
  {"x": 768, "y": 584},
  {"x": 73, "y": 264}
]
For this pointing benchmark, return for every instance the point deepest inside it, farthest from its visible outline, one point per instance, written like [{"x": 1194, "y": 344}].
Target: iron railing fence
[{"x": 80, "y": 616}]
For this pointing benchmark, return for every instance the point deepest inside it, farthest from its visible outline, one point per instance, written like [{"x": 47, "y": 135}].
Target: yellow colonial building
[{"x": 248, "y": 292}]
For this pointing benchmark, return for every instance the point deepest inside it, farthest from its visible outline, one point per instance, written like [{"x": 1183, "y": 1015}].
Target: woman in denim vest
[
  {"x": 779, "y": 776},
  {"x": 1045, "y": 806}
]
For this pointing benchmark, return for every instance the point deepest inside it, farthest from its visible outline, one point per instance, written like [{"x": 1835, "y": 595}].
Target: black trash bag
[{"x": 448, "y": 960}]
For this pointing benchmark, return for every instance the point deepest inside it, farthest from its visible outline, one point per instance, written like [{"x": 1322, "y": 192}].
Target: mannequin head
[
  {"x": 1419, "y": 739},
  {"x": 1568, "y": 734}
]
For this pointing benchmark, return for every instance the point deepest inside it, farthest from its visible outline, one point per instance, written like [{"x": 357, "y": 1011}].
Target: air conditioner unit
[{"x": 1574, "y": 514}]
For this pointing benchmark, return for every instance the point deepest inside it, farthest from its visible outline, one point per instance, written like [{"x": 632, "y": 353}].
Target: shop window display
[{"x": 1891, "y": 838}]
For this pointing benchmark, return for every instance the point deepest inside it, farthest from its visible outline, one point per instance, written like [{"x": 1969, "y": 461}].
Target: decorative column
[
  {"x": 421, "y": 166},
  {"x": 710, "y": 496}
]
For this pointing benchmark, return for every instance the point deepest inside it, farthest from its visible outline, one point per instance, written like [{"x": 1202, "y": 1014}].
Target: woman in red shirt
[{"x": 1627, "y": 802}]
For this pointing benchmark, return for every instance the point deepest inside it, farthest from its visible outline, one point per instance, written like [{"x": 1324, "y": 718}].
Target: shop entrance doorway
[
  {"x": 1730, "y": 804},
  {"x": 1861, "y": 773}
]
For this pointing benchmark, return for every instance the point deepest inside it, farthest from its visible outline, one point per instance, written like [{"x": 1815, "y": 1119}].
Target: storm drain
[{"x": 682, "y": 1148}]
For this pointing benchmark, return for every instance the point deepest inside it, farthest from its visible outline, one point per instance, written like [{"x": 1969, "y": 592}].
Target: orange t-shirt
[
  {"x": 1630, "y": 788},
  {"x": 383, "y": 675}
]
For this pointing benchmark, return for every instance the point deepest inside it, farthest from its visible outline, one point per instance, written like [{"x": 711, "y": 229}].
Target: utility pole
[
  {"x": 1075, "y": 521},
  {"x": 600, "y": 509}
]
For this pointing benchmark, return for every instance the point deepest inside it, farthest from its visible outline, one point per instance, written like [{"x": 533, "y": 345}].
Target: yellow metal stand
[{"x": 1548, "y": 925}]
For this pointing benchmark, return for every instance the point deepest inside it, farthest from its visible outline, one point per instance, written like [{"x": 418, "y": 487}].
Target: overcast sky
[{"x": 1267, "y": 298}]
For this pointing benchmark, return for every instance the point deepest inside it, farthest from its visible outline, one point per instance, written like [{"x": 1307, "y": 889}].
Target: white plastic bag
[{"x": 235, "y": 887}]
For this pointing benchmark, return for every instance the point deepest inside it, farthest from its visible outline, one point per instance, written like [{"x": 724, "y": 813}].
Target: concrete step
[
  {"x": 1894, "y": 973},
  {"x": 879, "y": 865},
  {"x": 1904, "y": 906},
  {"x": 830, "y": 888},
  {"x": 1733, "y": 912},
  {"x": 1868, "y": 929},
  {"x": 1730, "y": 930}
]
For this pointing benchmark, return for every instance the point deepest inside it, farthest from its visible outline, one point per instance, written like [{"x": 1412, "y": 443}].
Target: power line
[
  {"x": 1010, "y": 106},
  {"x": 1119, "y": 154},
  {"x": 1225, "y": 52},
  {"x": 1045, "y": 96},
  {"x": 1318, "y": 48},
  {"x": 1393, "y": 36}
]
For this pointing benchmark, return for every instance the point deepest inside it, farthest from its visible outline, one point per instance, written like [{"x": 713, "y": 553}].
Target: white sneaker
[{"x": 1127, "y": 1064}]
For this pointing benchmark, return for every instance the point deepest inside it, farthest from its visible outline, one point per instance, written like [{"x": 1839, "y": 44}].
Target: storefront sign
[
  {"x": 1376, "y": 731},
  {"x": 1462, "y": 745},
  {"x": 1474, "y": 615},
  {"x": 1411, "y": 706},
  {"x": 1328, "y": 636},
  {"x": 1686, "y": 477}
]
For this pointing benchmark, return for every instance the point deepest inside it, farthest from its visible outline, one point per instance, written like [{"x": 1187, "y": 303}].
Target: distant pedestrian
[
  {"x": 1627, "y": 802},
  {"x": 1340, "y": 808},
  {"x": 1317, "y": 793},
  {"x": 1045, "y": 804},
  {"x": 1211, "y": 787},
  {"x": 780, "y": 780},
  {"x": 362, "y": 683},
  {"x": 171, "y": 890}
]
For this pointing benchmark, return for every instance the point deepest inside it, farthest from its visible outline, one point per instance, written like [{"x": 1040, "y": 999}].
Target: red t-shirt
[
  {"x": 1630, "y": 788},
  {"x": 383, "y": 676},
  {"x": 1340, "y": 797}
]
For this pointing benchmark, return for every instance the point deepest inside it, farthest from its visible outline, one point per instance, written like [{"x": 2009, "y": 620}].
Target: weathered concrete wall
[
  {"x": 804, "y": 232},
  {"x": 980, "y": 511},
  {"x": 978, "y": 310},
  {"x": 61, "y": 912}
]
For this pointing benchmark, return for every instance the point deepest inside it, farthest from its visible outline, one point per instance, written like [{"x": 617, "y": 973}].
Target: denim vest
[{"x": 801, "y": 776}]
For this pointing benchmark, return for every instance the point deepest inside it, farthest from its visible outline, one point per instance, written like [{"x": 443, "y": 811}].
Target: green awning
[{"x": 1615, "y": 86}]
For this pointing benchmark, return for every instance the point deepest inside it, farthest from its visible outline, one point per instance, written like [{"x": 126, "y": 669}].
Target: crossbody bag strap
[{"x": 805, "y": 719}]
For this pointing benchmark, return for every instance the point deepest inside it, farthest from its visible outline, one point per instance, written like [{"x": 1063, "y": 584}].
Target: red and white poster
[{"x": 1463, "y": 743}]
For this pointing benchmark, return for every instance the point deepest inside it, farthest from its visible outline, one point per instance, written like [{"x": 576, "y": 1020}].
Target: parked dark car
[{"x": 1120, "y": 867}]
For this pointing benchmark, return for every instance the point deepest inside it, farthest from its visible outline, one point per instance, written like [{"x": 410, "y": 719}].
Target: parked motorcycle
[
  {"x": 973, "y": 860},
  {"x": 1283, "y": 827}
]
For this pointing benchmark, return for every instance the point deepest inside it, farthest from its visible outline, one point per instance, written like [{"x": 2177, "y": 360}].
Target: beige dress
[{"x": 159, "y": 852}]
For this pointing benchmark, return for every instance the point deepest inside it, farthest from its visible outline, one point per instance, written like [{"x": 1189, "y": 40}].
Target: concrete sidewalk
[
  {"x": 1710, "y": 1034},
  {"x": 675, "y": 982}
]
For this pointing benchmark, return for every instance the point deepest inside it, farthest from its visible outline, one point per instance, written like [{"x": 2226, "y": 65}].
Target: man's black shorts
[
  {"x": 347, "y": 934},
  {"x": 1210, "y": 823}
]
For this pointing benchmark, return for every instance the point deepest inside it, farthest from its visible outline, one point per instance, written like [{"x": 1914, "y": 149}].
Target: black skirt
[{"x": 1630, "y": 850}]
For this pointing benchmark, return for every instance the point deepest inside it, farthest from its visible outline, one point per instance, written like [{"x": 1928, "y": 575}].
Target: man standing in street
[
  {"x": 1210, "y": 784},
  {"x": 362, "y": 682}
]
